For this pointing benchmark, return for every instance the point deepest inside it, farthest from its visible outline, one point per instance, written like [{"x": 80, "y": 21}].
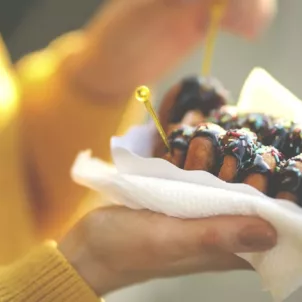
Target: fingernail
[{"x": 257, "y": 238}]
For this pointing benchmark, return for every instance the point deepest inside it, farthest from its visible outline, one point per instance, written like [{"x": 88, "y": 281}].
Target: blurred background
[{"x": 28, "y": 25}]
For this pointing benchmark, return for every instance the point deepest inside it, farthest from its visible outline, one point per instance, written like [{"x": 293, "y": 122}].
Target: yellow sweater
[{"x": 45, "y": 120}]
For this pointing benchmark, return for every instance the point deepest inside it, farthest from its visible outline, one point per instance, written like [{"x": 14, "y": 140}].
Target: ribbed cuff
[{"x": 43, "y": 275}]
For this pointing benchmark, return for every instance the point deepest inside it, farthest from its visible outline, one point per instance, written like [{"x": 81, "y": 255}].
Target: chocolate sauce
[
  {"x": 240, "y": 143},
  {"x": 289, "y": 178},
  {"x": 286, "y": 136},
  {"x": 256, "y": 122},
  {"x": 180, "y": 138},
  {"x": 276, "y": 135},
  {"x": 258, "y": 165},
  {"x": 228, "y": 118},
  {"x": 212, "y": 133},
  {"x": 197, "y": 94}
]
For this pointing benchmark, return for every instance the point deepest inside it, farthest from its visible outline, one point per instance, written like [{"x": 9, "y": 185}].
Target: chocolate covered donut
[
  {"x": 179, "y": 140},
  {"x": 289, "y": 180},
  {"x": 252, "y": 148},
  {"x": 239, "y": 146},
  {"x": 205, "y": 152},
  {"x": 258, "y": 172},
  {"x": 192, "y": 94},
  {"x": 234, "y": 156},
  {"x": 286, "y": 136},
  {"x": 228, "y": 118}
]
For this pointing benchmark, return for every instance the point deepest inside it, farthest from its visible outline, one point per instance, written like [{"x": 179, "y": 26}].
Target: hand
[
  {"x": 114, "y": 247},
  {"x": 130, "y": 43}
]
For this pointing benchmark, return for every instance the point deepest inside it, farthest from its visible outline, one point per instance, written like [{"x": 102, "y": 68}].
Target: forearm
[{"x": 59, "y": 120}]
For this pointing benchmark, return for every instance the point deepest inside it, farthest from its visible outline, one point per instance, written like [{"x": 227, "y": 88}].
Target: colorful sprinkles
[
  {"x": 260, "y": 143},
  {"x": 213, "y": 133},
  {"x": 180, "y": 138},
  {"x": 289, "y": 177}
]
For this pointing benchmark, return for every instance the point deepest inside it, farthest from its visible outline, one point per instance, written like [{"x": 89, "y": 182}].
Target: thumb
[{"x": 230, "y": 234}]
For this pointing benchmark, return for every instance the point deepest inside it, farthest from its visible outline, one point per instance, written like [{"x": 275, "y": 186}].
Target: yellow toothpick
[
  {"x": 143, "y": 95},
  {"x": 217, "y": 14}
]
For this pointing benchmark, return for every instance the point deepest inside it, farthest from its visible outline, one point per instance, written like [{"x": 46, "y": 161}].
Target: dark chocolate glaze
[
  {"x": 180, "y": 138},
  {"x": 240, "y": 143},
  {"x": 212, "y": 133},
  {"x": 289, "y": 178},
  {"x": 276, "y": 136},
  {"x": 294, "y": 141},
  {"x": 258, "y": 165},
  {"x": 286, "y": 136},
  {"x": 256, "y": 122},
  {"x": 228, "y": 118},
  {"x": 197, "y": 94}
]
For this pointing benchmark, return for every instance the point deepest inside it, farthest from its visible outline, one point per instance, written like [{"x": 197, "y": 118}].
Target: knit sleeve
[{"x": 43, "y": 275}]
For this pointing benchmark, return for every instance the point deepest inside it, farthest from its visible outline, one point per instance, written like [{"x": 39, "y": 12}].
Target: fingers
[
  {"x": 214, "y": 262},
  {"x": 141, "y": 36},
  {"x": 225, "y": 262},
  {"x": 249, "y": 17},
  {"x": 121, "y": 246},
  {"x": 228, "y": 234},
  {"x": 140, "y": 41},
  {"x": 186, "y": 238},
  {"x": 210, "y": 244}
]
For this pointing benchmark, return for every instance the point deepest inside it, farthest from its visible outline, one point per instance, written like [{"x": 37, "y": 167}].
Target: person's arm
[
  {"x": 59, "y": 120},
  {"x": 52, "y": 113},
  {"x": 116, "y": 247},
  {"x": 43, "y": 275},
  {"x": 75, "y": 91}
]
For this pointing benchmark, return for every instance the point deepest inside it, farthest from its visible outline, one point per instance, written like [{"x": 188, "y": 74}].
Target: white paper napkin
[
  {"x": 139, "y": 181},
  {"x": 264, "y": 94}
]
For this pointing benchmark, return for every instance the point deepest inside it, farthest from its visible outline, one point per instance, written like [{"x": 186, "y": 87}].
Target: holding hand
[
  {"x": 115, "y": 247},
  {"x": 130, "y": 43},
  {"x": 126, "y": 45}
]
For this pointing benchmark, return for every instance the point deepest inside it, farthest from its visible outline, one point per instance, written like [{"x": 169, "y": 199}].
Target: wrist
[{"x": 89, "y": 266}]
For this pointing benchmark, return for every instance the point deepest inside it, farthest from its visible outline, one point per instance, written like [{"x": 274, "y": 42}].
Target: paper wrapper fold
[{"x": 141, "y": 182}]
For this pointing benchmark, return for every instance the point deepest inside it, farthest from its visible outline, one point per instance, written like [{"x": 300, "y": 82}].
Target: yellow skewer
[
  {"x": 143, "y": 95},
  {"x": 217, "y": 14}
]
